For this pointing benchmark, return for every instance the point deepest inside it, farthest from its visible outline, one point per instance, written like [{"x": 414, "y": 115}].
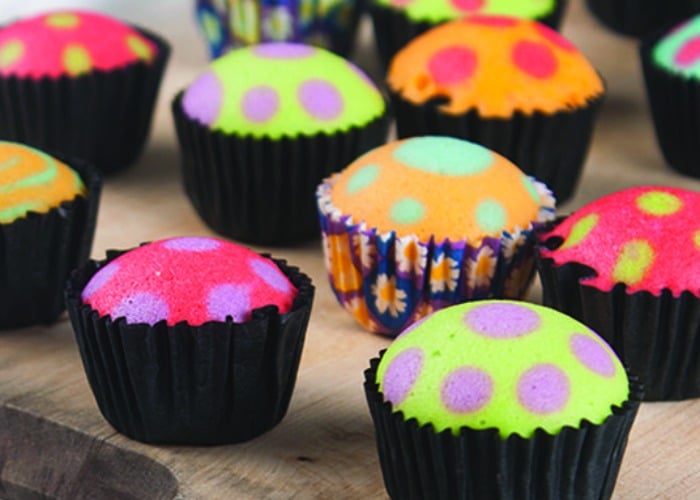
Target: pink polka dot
[
  {"x": 202, "y": 100},
  {"x": 502, "y": 320},
  {"x": 260, "y": 104},
  {"x": 592, "y": 355},
  {"x": 320, "y": 99},
  {"x": 229, "y": 300},
  {"x": 270, "y": 274},
  {"x": 493, "y": 21},
  {"x": 689, "y": 53},
  {"x": 283, "y": 50},
  {"x": 142, "y": 307},
  {"x": 467, "y": 5},
  {"x": 554, "y": 37},
  {"x": 466, "y": 390},
  {"x": 535, "y": 59},
  {"x": 543, "y": 389},
  {"x": 401, "y": 375},
  {"x": 99, "y": 279},
  {"x": 452, "y": 65},
  {"x": 192, "y": 244}
]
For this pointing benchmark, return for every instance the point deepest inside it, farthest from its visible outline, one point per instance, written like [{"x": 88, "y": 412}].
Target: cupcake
[
  {"x": 671, "y": 64},
  {"x": 47, "y": 220},
  {"x": 515, "y": 86},
  {"x": 500, "y": 399},
  {"x": 190, "y": 340},
  {"x": 330, "y": 24},
  {"x": 255, "y": 146},
  {"x": 397, "y": 22},
  {"x": 420, "y": 224},
  {"x": 639, "y": 18},
  {"x": 636, "y": 283},
  {"x": 81, "y": 84}
]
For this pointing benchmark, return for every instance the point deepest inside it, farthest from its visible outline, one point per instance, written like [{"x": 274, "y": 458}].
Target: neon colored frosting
[
  {"x": 436, "y": 186},
  {"x": 507, "y": 365},
  {"x": 645, "y": 237},
  {"x": 32, "y": 181},
  {"x": 70, "y": 43},
  {"x": 496, "y": 66},
  {"x": 192, "y": 279},
  {"x": 679, "y": 50},
  {"x": 435, "y": 11},
  {"x": 282, "y": 89}
]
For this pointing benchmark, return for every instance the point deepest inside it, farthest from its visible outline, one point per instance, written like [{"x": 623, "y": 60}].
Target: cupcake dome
[
  {"x": 33, "y": 181},
  {"x": 444, "y": 10}
]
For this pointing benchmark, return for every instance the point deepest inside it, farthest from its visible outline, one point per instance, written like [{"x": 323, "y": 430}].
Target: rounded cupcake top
[
  {"x": 70, "y": 43},
  {"x": 679, "y": 50},
  {"x": 282, "y": 89},
  {"x": 647, "y": 238},
  {"x": 192, "y": 279},
  {"x": 434, "y": 11},
  {"x": 32, "y": 181},
  {"x": 507, "y": 365},
  {"x": 496, "y": 66},
  {"x": 439, "y": 187}
]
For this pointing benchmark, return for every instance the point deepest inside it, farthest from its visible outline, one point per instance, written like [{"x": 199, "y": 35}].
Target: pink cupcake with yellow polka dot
[
  {"x": 80, "y": 83},
  {"x": 628, "y": 265},
  {"x": 190, "y": 340}
]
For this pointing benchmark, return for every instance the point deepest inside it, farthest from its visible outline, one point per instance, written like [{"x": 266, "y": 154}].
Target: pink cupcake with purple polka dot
[
  {"x": 197, "y": 325},
  {"x": 500, "y": 376}
]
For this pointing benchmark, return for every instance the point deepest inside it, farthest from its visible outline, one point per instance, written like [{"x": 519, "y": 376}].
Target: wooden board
[{"x": 54, "y": 442}]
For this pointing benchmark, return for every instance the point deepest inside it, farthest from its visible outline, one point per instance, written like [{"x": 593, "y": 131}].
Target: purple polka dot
[
  {"x": 99, "y": 279},
  {"x": 142, "y": 307},
  {"x": 203, "y": 99},
  {"x": 502, "y": 320},
  {"x": 592, "y": 355},
  {"x": 270, "y": 274},
  {"x": 543, "y": 389},
  {"x": 401, "y": 375},
  {"x": 283, "y": 50},
  {"x": 466, "y": 390},
  {"x": 192, "y": 244},
  {"x": 320, "y": 99},
  {"x": 229, "y": 300},
  {"x": 260, "y": 104}
]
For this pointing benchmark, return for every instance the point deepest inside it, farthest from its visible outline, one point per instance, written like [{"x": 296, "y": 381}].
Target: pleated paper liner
[
  {"x": 577, "y": 463},
  {"x": 103, "y": 116},
  {"x": 221, "y": 382},
  {"x": 550, "y": 147},
  {"x": 638, "y": 18},
  {"x": 393, "y": 29},
  {"x": 259, "y": 190},
  {"x": 387, "y": 282},
  {"x": 39, "y": 250}
]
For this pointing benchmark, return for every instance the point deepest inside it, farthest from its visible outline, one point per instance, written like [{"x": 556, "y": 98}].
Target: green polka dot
[
  {"x": 531, "y": 189},
  {"x": 62, "y": 21},
  {"x": 407, "y": 211},
  {"x": 444, "y": 156},
  {"x": 138, "y": 47},
  {"x": 10, "y": 53},
  {"x": 659, "y": 203},
  {"x": 76, "y": 60},
  {"x": 491, "y": 216},
  {"x": 362, "y": 178},
  {"x": 580, "y": 230},
  {"x": 635, "y": 258}
]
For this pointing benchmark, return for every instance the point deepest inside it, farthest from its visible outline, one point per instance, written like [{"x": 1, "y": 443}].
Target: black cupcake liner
[
  {"x": 577, "y": 463},
  {"x": 260, "y": 190},
  {"x": 218, "y": 383},
  {"x": 552, "y": 148},
  {"x": 393, "y": 29},
  {"x": 638, "y": 18},
  {"x": 103, "y": 116},
  {"x": 39, "y": 250}
]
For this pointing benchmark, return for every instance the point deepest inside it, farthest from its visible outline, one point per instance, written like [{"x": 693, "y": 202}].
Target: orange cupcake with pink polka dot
[
  {"x": 516, "y": 86},
  {"x": 635, "y": 282},
  {"x": 81, "y": 83}
]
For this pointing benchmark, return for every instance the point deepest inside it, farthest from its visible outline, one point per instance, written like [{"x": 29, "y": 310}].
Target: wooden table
[{"x": 53, "y": 440}]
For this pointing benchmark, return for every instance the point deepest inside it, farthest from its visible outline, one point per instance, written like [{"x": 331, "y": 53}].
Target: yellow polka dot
[
  {"x": 139, "y": 47},
  {"x": 659, "y": 203},
  {"x": 580, "y": 230},
  {"x": 696, "y": 238},
  {"x": 62, "y": 21},
  {"x": 76, "y": 60},
  {"x": 10, "y": 53},
  {"x": 634, "y": 260}
]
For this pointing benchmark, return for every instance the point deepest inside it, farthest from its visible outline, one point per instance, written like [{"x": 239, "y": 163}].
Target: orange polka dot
[{"x": 535, "y": 59}]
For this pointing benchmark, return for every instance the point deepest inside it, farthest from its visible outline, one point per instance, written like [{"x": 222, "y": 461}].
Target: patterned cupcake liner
[
  {"x": 260, "y": 190},
  {"x": 393, "y": 29},
  {"x": 638, "y": 18},
  {"x": 387, "y": 282},
  {"x": 549, "y": 147},
  {"x": 218, "y": 383},
  {"x": 103, "y": 116},
  {"x": 39, "y": 250},
  {"x": 577, "y": 463}
]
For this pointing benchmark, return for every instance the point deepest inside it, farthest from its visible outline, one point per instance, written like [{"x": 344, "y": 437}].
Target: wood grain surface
[{"x": 55, "y": 443}]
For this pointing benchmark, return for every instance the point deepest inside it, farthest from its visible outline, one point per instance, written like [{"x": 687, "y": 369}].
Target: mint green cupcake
[{"x": 260, "y": 129}]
